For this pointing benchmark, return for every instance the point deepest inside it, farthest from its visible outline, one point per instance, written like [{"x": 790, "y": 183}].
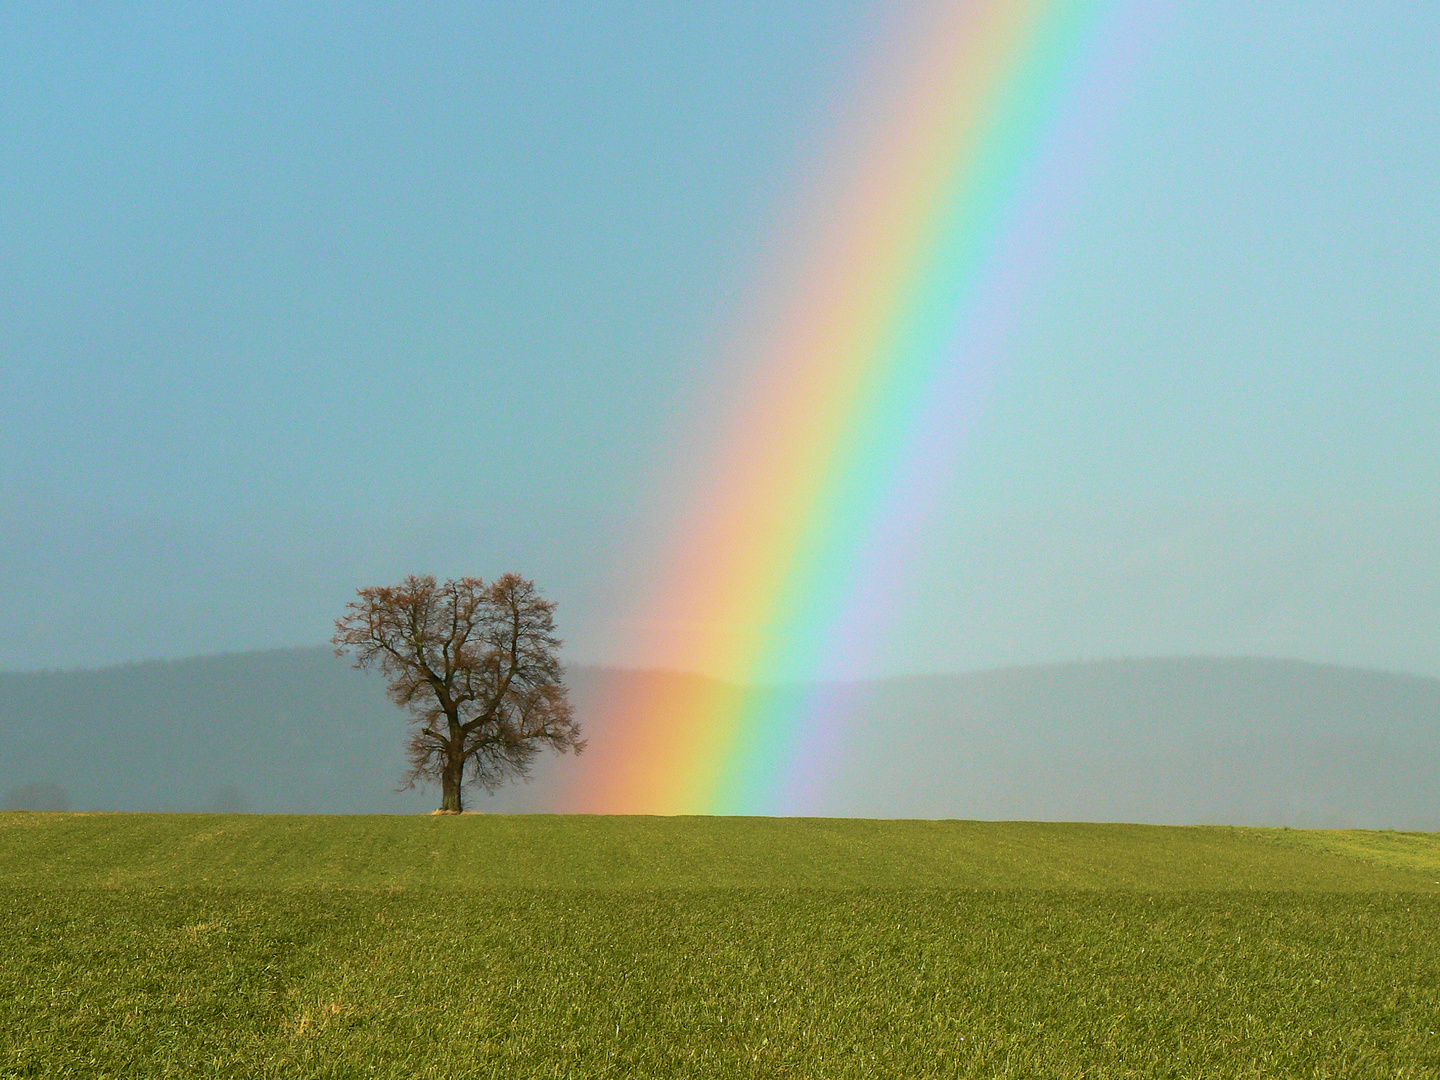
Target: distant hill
[
  {"x": 292, "y": 730},
  {"x": 1240, "y": 741}
]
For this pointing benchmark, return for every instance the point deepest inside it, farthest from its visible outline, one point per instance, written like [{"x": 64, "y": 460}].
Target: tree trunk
[
  {"x": 453, "y": 778},
  {"x": 450, "y": 791}
]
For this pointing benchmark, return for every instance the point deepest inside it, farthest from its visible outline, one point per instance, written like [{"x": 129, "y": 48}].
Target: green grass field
[{"x": 158, "y": 945}]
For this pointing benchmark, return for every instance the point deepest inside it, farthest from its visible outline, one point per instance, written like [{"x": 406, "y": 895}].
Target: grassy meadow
[{"x": 212, "y": 945}]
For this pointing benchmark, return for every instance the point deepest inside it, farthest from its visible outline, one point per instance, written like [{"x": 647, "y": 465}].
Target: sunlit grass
[{"x": 499, "y": 947}]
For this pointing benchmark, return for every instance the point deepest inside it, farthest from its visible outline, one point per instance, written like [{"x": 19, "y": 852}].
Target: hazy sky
[{"x": 294, "y": 301}]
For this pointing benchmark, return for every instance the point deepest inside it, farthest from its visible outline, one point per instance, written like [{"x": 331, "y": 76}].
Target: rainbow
[{"x": 797, "y": 556}]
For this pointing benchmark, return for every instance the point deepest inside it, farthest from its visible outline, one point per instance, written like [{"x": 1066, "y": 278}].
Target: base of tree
[{"x": 434, "y": 812}]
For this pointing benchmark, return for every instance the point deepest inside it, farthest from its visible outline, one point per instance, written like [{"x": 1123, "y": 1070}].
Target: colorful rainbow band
[{"x": 796, "y": 557}]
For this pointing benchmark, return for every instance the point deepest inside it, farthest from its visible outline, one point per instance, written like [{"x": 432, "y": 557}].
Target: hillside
[{"x": 1235, "y": 741}]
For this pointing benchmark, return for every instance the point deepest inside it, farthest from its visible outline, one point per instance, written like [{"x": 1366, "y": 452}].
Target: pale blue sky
[{"x": 293, "y": 302}]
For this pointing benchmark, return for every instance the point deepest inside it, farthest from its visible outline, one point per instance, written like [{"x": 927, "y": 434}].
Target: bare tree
[{"x": 476, "y": 665}]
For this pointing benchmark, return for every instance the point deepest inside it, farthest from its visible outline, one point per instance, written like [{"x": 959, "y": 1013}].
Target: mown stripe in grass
[{"x": 646, "y": 852}]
